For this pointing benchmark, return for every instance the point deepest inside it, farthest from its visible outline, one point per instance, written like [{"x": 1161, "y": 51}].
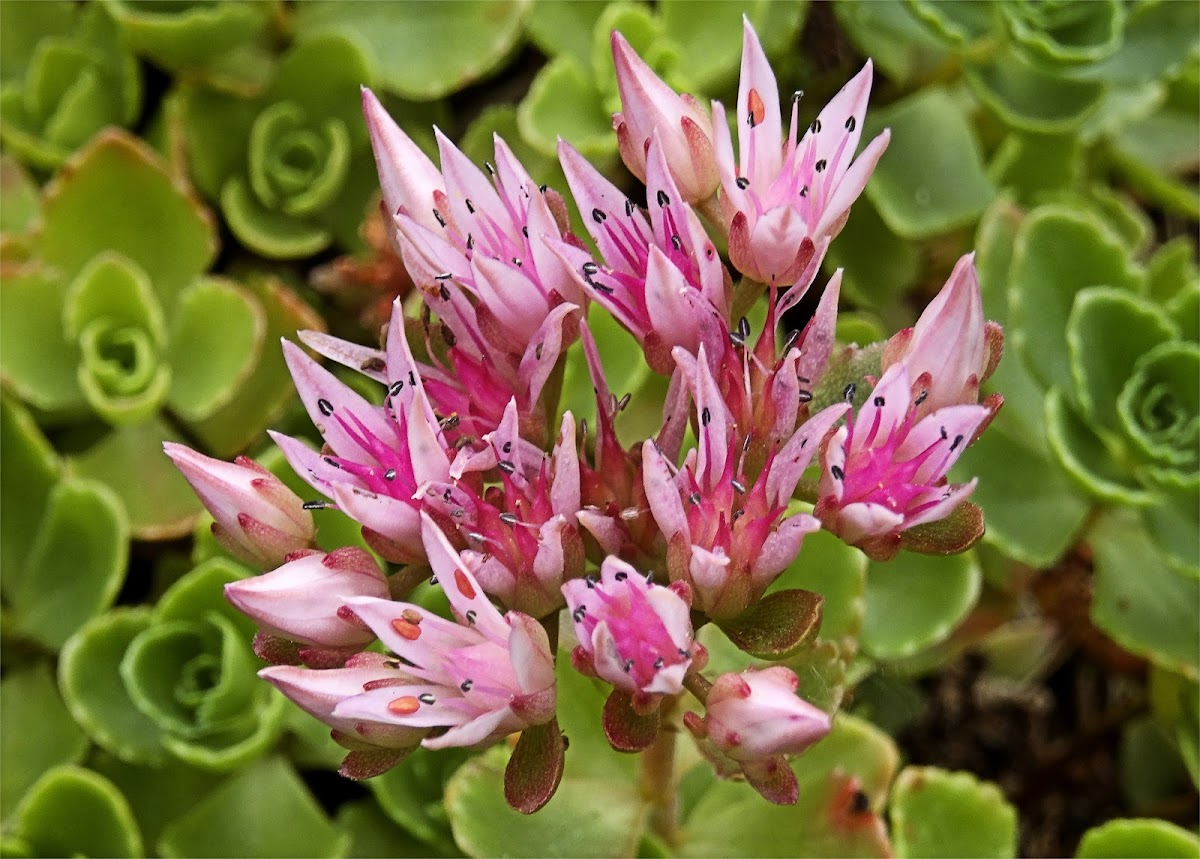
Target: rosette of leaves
[
  {"x": 221, "y": 43},
  {"x": 174, "y": 682},
  {"x": 65, "y": 73},
  {"x": 695, "y": 46},
  {"x": 291, "y": 169},
  {"x": 113, "y": 336}
]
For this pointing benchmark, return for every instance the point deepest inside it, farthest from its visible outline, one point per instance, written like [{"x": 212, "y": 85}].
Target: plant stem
[{"x": 658, "y": 782}]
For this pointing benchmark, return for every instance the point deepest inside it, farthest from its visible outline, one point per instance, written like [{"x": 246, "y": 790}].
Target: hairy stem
[{"x": 658, "y": 778}]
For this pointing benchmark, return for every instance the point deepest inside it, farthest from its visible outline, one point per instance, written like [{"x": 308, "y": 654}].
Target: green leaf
[
  {"x": 777, "y": 625},
  {"x": 624, "y": 366},
  {"x": 564, "y": 27},
  {"x": 901, "y": 46},
  {"x": 264, "y": 810},
  {"x": 37, "y": 362},
  {"x": 1107, "y": 331},
  {"x": 1172, "y": 270},
  {"x": 919, "y": 188},
  {"x": 215, "y": 127},
  {"x": 1150, "y": 767},
  {"x": 410, "y": 794},
  {"x": 265, "y": 395},
  {"x": 1031, "y": 164},
  {"x": 373, "y": 835},
  {"x": 90, "y": 682},
  {"x": 958, "y": 24},
  {"x": 1159, "y": 36},
  {"x": 129, "y": 461},
  {"x": 1171, "y": 521},
  {"x": 272, "y": 234},
  {"x": 563, "y": 101},
  {"x": 23, "y": 27},
  {"x": 36, "y": 732},
  {"x": 937, "y": 813},
  {"x": 72, "y": 811},
  {"x": 1032, "y": 510},
  {"x": 1057, "y": 253},
  {"x": 30, "y": 470},
  {"x": 879, "y": 266},
  {"x": 1159, "y": 408},
  {"x": 855, "y": 756},
  {"x": 1091, "y": 464},
  {"x": 1067, "y": 34},
  {"x": 422, "y": 50},
  {"x": 837, "y": 572},
  {"x": 915, "y": 601},
  {"x": 160, "y": 227},
  {"x": 1140, "y": 602},
  {"x": 1138, "y": 837},
  {"x": 19, "y": 207},
  {"x": 211, "y": 360},
  {"x": 76, "y": 564},
  {"x": 1031, "y": 99}
]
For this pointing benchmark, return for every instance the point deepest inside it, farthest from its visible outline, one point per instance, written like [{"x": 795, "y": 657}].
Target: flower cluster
[{"x": 460, "y": 472}]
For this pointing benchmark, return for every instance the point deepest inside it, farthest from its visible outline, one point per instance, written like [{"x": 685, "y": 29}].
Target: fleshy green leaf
[
  {"x": 564, "y": 27},
  {"x": 90, "y": 682},
  {"x": 422, "y": 50},
  {"x": 777, "y": 625},
  {"x": 374, "y": 836},
  {"x": 1172, "y": 269},
  {"x": 160, "y": 227},
  {"x": 1086, "y": 459},
  {"x": 18, "y": 197},
  {"x": 1031, "y": 164},
  {"x": 879, "y": 266},
  {"x": 931, "y": 179},
  {"x": 1159, "y": 410},
  {"x": 1138, "y": 837},
  {"x": 264, "y": 810},
  {"x": 1140, "y": 602},
  {"x": 1032, "y": 510},
  {"x": 1150, "y": 767},
  {"x": 1057, "y": 253},
  {"x": 410, "y": 794},
  {"x": 1108, "y": 330},
  {"x": 30, "y": 471},
  {"x": 76, "y": 564},
  {"x": 72, "y": 811},
  {"x": 215, "y": 127},
  {"x": 837, "y": 572},
  {"x": 272, "y": 234},
  {"x": 37, "y": 362},
  {"x": 958, "y": 24},
  {"x": 129, "y": 460},
  {"x": 36, "y": 732},
  {"x": 211, "y": 359},
  {"x": 563, "y": 102},
  {"x": 900, "y": 44},
  {"x": 1066, "y": 34},
  {"x": 915, "y": 601},
  {"x": 1032, "y": 99},
  {"x": 937, "y": 813}
]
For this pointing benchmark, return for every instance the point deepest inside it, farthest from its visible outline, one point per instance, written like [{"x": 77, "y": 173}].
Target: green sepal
[
  {"x": 912, "y": 186},
  {"x": 210, "y": 361},
  {"x": 1143, "y": 604},
  {"x": 422, "y": 51},
  {"x": 939, "y": 813},
  {"x": 72, "y": 811},
  {"x": 1058, "y": 252},
  {"x": 36, "y": 732},
  {"x": 1138, "y": 838},
  {"x": 230, "y": 820},
  {"x": 88, "y": 674},
  {"x": 915, "y": 601},
  {"x": 76, "y": 564},
  {"x": 777, "y": 625},
  {"x": 1107, "y": 332}
]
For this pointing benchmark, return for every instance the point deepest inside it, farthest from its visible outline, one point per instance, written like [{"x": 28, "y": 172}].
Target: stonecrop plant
[{"x": 550, "y": 539}]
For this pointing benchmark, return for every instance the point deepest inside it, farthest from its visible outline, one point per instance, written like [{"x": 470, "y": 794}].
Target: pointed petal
[
  {"x": 662, "y": 493},
  {"x": 884, "y": 410},
  {"x": 362, "y": 359},
  {"x": 465, "y": 595},
  {"x": 478, "y": 730},
  {"x": 543, "y": 351},
  {"x": 948, "y": 431},
  {"x": 714, "y": 424},
  {"x": 406, "y": 175},
  {"x": 851, "y": 185},
  {"x": 618, "y": 217},
  {"x": 781, "y": 547},
  {"x": 951, "y": 497},
  {"x": 564, "y": 489},
  {"x": 820, "y": 333},
  {"x": 863, "y": 519},
  {"x": 470, "y": 195},
  {"x": 759, "y": 125},
  {"x": 393, "y": 518},
  {"x": 529, "y": 650}
]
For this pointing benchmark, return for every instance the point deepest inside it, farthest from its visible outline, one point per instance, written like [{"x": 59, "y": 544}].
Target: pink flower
[
  {"x": 493, "y": 259},
  {"x": 884, "y": 471},
  {"x": 521, "y": 531},
  {"x": 632, "y": 633},
  {"x": 649, "y": 106},
  {"x": 257, "y": 518},
  {"x": 951, "y": 345},
  {"x": 300, "y": 600},
  {"x": 773, "y": 197},
  {"x": 662, "y": 277},
  {"x": 377, "y": 456},
  {"x": 727, "y": 535},
  {"x": 476, "y": 680},
  {"x": 751, "y": 721}
]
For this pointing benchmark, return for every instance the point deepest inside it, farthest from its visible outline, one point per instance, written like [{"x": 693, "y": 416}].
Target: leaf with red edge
[
  {"x": 958, "y": 532},
  {"x": 626, "y": 729},
  {"x": 778, "y": 625},
  {"x": 535, "y": 768}
]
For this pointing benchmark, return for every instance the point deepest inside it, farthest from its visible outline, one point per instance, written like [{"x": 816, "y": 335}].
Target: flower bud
[
  {"x": 757, "y": 714},
  {"x": 300, "y": 600},
  {"x": 258, "y": 519}
]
